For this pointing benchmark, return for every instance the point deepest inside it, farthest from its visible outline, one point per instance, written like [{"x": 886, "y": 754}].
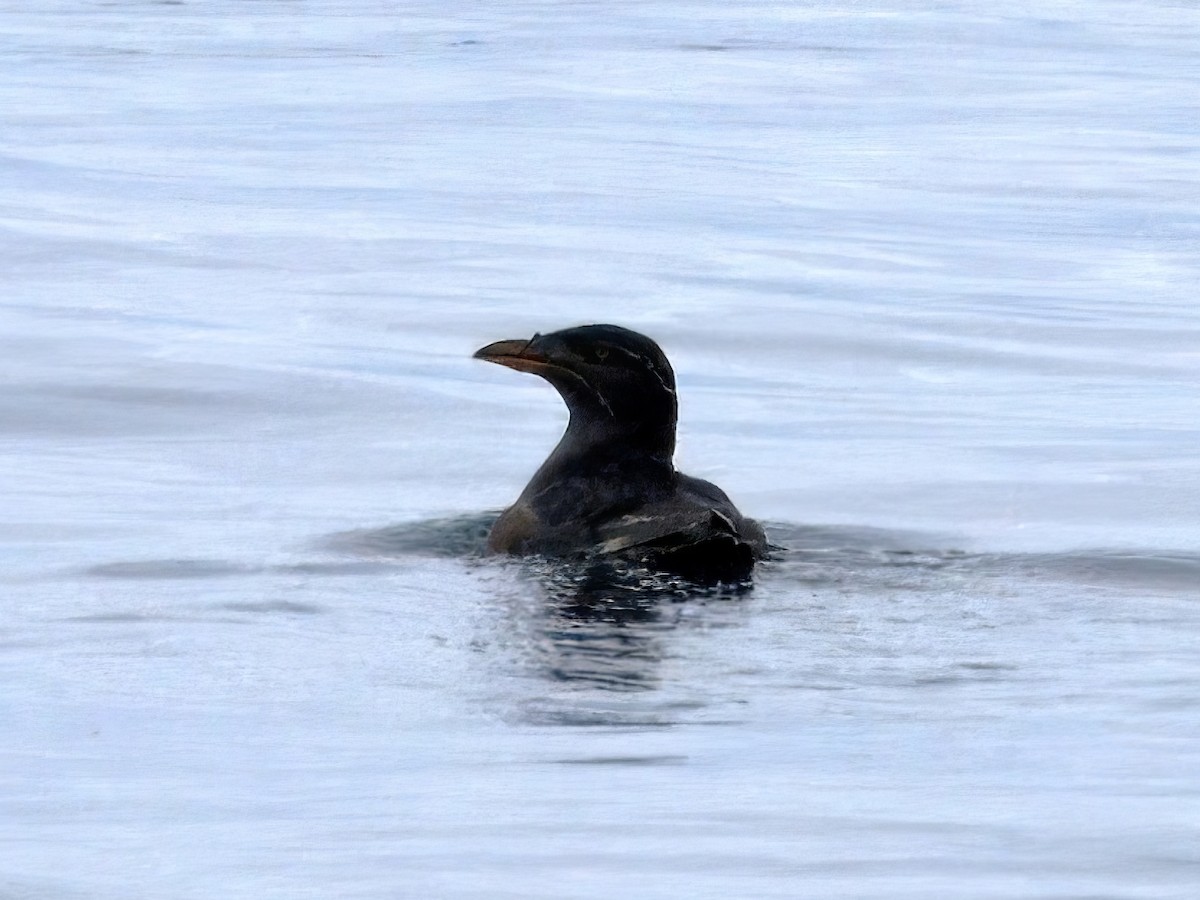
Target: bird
[{"x": 610, "y": 487}]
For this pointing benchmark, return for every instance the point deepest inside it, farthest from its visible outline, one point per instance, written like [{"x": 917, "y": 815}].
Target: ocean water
[{"x": 928, "y": 276}]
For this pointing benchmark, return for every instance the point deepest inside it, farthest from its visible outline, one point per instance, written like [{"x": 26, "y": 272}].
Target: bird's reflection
[
  {"x": 602, "y": 623},
  {"x": 606, "y": 624}
]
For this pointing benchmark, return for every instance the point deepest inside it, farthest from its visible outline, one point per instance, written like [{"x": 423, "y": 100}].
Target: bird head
[{"x": 616, "y": 383}]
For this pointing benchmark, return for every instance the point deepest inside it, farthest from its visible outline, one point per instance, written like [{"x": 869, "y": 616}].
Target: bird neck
[{"x": 595, "y": 448}]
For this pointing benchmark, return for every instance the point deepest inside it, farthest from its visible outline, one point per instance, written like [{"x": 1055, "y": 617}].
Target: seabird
[{"x": 610, "y": 487}]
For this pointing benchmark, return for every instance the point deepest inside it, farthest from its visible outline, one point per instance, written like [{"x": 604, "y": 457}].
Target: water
[{"x": 927, "y": 276}]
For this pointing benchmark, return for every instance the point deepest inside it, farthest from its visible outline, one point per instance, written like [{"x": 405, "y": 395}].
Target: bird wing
[{"x": 662, "y": 526}]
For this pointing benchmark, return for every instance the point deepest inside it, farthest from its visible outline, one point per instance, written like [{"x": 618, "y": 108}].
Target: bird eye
[{"x": 601, "y": 352}]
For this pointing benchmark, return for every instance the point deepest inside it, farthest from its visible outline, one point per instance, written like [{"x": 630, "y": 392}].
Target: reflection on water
[
  {"x": 607, "y": 626},
  {"x": 598, "y": 622},
  {"x": 619, "y": 653}
]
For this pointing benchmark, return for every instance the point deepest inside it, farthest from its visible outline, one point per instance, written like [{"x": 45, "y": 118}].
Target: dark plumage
[{"x": 610, "y": 486}]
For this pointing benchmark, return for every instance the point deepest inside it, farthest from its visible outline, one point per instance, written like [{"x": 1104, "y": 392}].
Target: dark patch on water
[
  {"x": 174, "y": 569},
  {"x": 274, "y": 606},
  {"x": 661, "y": 760},
  {"x": 1147, "y": 569},
  {"x": 759, "y": 45},
  {"x": 811, "y": 555},
  {"x": 137, "y": 618},
  {"x": 605, "y": 627},
  {"x": 170, "y": 568},
  {"x": 597, "y": 716},
  {"x": 337, "y": 568},
  {"x": 462, "y": 536},
  {"x": 987, "y": 667}
]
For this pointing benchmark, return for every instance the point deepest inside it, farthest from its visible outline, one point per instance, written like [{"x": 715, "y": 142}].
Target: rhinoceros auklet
[{"x": 610, "y": 486}]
